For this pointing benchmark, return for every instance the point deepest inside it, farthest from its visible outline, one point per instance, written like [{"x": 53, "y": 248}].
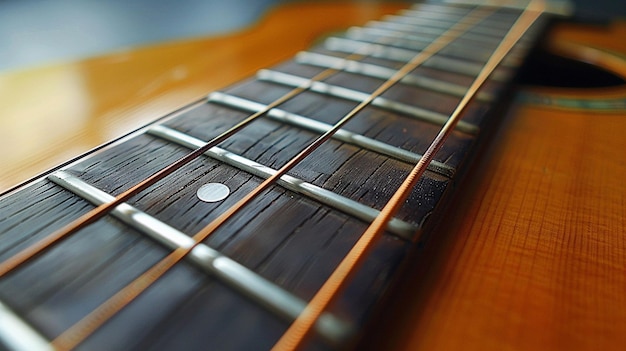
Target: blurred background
[
  {"x": 75, "y": 74},
  {"x": 36, "y": 32}
]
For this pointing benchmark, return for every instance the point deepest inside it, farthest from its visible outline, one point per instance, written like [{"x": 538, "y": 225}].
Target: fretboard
[{"x": 242, "y": 286}]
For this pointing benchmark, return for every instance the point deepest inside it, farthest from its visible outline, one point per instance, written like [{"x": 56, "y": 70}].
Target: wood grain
[
  {"x": 53, "y": 113},
  {"x": 534, "y": 256}
]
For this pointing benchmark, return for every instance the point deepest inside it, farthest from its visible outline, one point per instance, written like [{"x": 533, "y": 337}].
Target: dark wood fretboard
[{"x": 242, "y": 287}]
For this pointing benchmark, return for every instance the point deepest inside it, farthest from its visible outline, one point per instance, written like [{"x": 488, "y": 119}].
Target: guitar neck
[{"x": 242, "y": 286}]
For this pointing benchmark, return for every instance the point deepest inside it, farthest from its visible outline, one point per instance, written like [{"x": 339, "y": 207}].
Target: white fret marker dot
[{"x": 213, "y": 192}]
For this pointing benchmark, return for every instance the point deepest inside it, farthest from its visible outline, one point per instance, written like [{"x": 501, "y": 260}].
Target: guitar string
[
  {"x": 50, "y": 240},
  {"x": 301, "y": 327},
  {"x": 94, "y": 320}
]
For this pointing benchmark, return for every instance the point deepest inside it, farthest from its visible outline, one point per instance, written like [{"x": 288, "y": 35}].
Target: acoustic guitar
[{"x": 402, "y": 185}]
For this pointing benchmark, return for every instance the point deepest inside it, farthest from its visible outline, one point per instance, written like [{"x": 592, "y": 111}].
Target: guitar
[{"x": 529, "y": 256}]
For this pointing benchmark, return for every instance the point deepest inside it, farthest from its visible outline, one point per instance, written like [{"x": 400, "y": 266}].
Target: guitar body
[
  {"x": 533, "y": 254},
  {"x": 102, "y": 98},
  {"x": 533, "y": 257}
]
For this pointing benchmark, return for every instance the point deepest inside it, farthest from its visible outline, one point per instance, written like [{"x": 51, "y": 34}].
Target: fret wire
[
  {"x": 408, "y": 29},
  {"x": 443, "y": 9},
  {"x": 396, "y": 53},
  {"x": 381, "y": 72},
  {"x": 22, "y": 257},
  {"x": 556, "y": 7},
  {"x": 402, "y": 55},
  {"x": 422, "y": 21},
  {"x": 78, "y": 332},
  {"x": 429, "y": 22},
  {"x": 387, "y": 32},
  {"x": 30, "y": 252},
  {"x": 417, "y": 9},
  {"x": 450, "y": 19},
  {"x": 493, "y": 23},
  {"x": 409, "y": 42},
  {"x": 17, "y": 335},
  {"x": 400, "y": 228},
  {"x": 356, "y": 33},
  {"x": 90, "y": 323},
  {"x": 269, "y": 295},
  {"x": 319, "y": 127},
  {"x": 422, "y": 30},
  {"x": 301, "y": 327},
  {"x": 488, "y": 35},
  {"x": 37, "y": 248},
  {"x": 359, "y": 96},
  {"x": 496, "y": 23},
  {"x": 412, "y": 42}
]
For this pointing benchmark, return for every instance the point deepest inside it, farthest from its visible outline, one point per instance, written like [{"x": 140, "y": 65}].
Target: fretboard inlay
[{"x": 240, "y": 287}]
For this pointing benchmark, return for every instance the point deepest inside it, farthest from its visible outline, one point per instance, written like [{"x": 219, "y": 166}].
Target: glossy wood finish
[
  {"x": 534, "y": 256},
  {"x": 51, "y": 114}
]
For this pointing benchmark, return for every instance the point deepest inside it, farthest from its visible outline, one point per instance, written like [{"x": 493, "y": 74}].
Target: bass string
[
  {"x": 94, "y": 320},
  {"x": 301, "y": 327},
  {"x": 50, "y": 240}
]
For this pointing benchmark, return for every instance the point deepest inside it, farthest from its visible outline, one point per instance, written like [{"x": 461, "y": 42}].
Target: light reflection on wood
[{"x": 50, "y": 114}]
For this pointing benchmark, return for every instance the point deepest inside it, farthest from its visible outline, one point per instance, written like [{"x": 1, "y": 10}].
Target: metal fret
[
  {"x": 491, "y": 22},
  {"x": 458, "y": 10},
  {"x": 319, "y": 127},
  {"x": 403, "y": 55},
  {"x": 422, "y": 30},
  {"x": 362, "y": 34},
  {"x": 448, "y": 20},
  {"x": 358, "y": 96},
  {"x": 422, "y": 21},
  {"x": 294, "y": 337},
  {"x": 428, "y": 22},
  {"x": 414, "y": 38},
  {"x": 409, "y": 28},
  {"x": 17, "y": 335},
  {"x": 437, "y": 8},
  {"x": 556, "y": 7},
  {"x": 264, "y": 292},
  {"x": 376, "y": 71},
  {"x": 435, "y": 15},
  {"x": 229, "y": 271},
  {"x": 396, "y": 226},
  {"x": 417, "y": 43}
]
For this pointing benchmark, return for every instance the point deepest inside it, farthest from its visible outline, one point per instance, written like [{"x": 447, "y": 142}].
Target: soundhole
[{"x": 549, "y": 70}]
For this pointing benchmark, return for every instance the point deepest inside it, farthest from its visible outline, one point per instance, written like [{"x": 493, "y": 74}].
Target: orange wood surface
[
  {"x": 53, "y": 113},
  {"x": 533, "y": 256}
]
